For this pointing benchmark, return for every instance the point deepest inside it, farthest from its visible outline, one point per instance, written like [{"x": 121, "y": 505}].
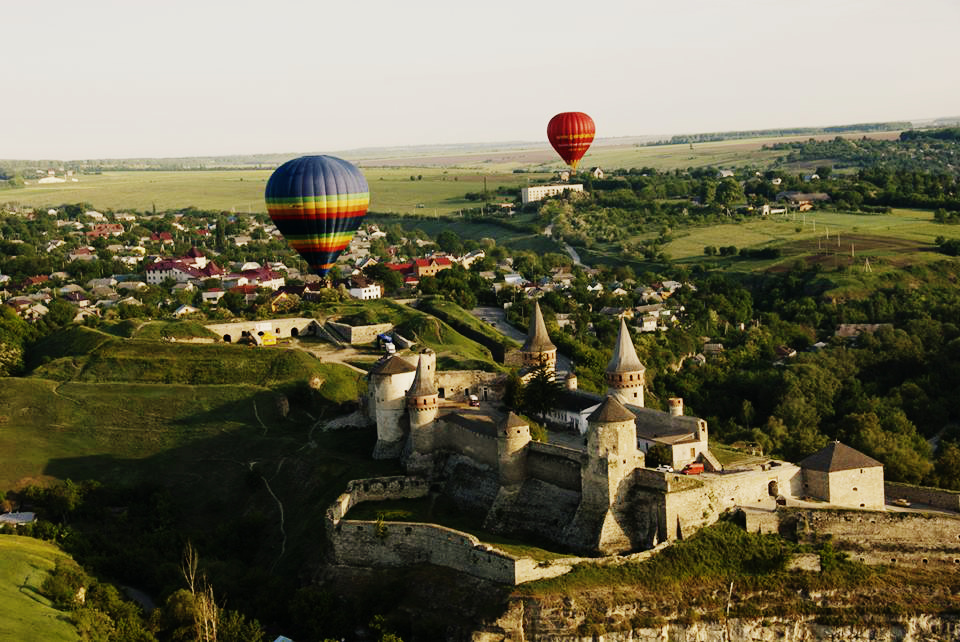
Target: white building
[
  {"x": 540, "y": 192},
  {"x": 366, "y": 293}
]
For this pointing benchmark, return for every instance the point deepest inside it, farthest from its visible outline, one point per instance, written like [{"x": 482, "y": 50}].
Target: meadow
[
  {"x": 440, "y": 179},
  {"x": 795, "y": 234},
  {"x": 27, "y": 615},
  {"x": 436, "y": 191}
]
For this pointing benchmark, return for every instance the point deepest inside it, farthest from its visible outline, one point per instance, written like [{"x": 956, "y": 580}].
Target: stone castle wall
[
  {"x": 455, "y": 438},
  {"x": 371, "y": 544},
  {"x": 555, "y": 464},
  {"x": 883, "y": 537},
  {"x": 935, "y": 497},
  {"x": 279, "y": 327},
  {"x": 361, "y": 333},
  {"x": 488, "y": 386}
]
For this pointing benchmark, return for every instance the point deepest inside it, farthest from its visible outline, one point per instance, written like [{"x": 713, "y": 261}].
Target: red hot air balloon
[{"x": 571, "y": 133}]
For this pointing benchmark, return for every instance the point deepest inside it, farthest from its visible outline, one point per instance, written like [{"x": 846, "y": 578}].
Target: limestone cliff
[{"x": 564, "y": 620}]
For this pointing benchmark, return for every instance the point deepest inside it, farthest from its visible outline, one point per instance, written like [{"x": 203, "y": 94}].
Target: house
[
  {"x": 844, "y": 477},
  {"x": 648, "y": 324},
  {"x": 264, "y": 278},
  {"x": 212, "y": 296},
  {"x": 430, "y": 267},
  {"x": 106, "y": 282},
  {"x": 361, "y": 289},
  {"x": 125, "y": 217},
  {"x": 31, "y": 281},
  {"x": 785, "y": 352},
  {"x": 164, "y": 238},
  {"x": 803, "y": 201},
  {"x": 514, "y": 279},
  {"x": 17, "y": 519},
  {"x": 82, "y": 254},
  {"x": 184, "y": 310},
  {"x": 597, "y": 173},
  {"x": 595, "y": 288},
  {"x": 712, "y": 349},
  {"x": 105, "y": 230},
  {"x": 281, "y": 301},
  {"x": 468, "y": 259},
  {"x": 86, "y": 313},
  {"x": 180, "y": 271},
  {"x": 249, "y": 292},
  {"x": 132, "y": 286},
  {"x": 54, "y": 244},
  {"x": 76, "y": 298},
  {"x": 540, "y": 192},
  {"x": 183, "y": 287},
  {"x": 725, "y": 173}
]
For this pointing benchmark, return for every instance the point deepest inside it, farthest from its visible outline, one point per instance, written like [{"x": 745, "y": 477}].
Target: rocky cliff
[{"x": 564, "y": 620}]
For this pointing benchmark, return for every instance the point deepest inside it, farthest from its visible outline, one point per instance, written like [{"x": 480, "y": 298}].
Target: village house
[
  {"x": 360, "y": 288},
  {"x": 82, "y": 254}
]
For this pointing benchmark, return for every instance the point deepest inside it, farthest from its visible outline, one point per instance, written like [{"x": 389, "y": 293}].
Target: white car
[{"x": 665, "y": 468}]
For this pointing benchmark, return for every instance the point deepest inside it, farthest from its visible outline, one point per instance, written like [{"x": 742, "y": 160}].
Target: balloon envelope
[
  {"x": 317, "y": 203},
  {"x": 571, "y": 133}
]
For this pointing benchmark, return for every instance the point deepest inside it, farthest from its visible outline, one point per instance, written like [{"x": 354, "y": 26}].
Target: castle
[
  {"x": 587, "y": 493},
  {"x": 591, "y": 492}
]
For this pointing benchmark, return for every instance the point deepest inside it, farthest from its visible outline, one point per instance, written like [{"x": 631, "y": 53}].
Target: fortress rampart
[
  {"x": 555, "y": 464},
  {"x": 882, "y": 537},
  {"x": 372, "y": 543},
  {"x": 289, "y": 327},
  {"x": 360, "y": 333},
  {"x": 934, "y": 497}
]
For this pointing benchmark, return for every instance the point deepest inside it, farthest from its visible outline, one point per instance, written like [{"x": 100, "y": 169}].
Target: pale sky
[{"x": 146, "y": 78}]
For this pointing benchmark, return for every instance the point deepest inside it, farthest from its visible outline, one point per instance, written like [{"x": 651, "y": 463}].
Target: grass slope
[{"x": 27, "y": 615}]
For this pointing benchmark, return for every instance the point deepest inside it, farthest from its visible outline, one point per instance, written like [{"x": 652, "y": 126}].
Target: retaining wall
[
  {"x": 361, "y": 333},
  {"x": 370, "y": 543},
  {"x": 934, "y": 497}
]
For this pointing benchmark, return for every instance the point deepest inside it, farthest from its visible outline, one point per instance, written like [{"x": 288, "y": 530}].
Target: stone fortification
[
  {"x": 359, "y": 333},
  {"x": 875, "y": 537},
  {"x": 933, "y": 497},
  {"x": 371, "y": 543},
  {"x": 557, "y": 465},
  {"x": 472, "y": 436},
  {"x": 292, "y": 327},
  {"x": 457, "y": 384}
]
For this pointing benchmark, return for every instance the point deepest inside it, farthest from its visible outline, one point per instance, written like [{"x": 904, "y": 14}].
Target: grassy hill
[{"x": 27, "y": 615}]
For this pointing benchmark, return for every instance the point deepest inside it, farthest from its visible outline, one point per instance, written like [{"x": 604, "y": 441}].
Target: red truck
[{"x": 692, "y": 469}]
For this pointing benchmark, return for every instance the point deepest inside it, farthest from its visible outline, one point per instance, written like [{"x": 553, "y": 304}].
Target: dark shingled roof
[
  {"x": 836, "y": 456},
  {"x": 610, "y": 411},
  {"x": 537, "y": 338},
  {"x": 393, "y": 365},
  {"x": 423, "y": 385}
]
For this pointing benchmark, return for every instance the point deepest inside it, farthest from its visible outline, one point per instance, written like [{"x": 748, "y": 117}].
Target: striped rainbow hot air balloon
[{"x": 317, "y": 203}]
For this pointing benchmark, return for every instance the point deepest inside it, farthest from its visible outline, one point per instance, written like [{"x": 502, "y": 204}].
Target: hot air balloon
[
  {"x": 317, "y": 203},
  {"x": 571, "y": 133}
]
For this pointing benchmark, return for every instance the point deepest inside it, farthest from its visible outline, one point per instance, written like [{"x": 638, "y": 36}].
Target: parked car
[
  {"x": 664, "y": 468},
  {"x": 694, "y": 468},
  {"x": 474, "y": 401},
  {"x": 903, "y": 502}
]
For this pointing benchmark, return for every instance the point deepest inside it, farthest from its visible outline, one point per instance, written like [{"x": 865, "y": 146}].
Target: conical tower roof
[
  {"x": 514, "y": 421},
  {"x": 611, "y": 411},
  {"x": 624, "y": 354},
  {"x": 537, "y": 338},
  {"x": 423, "y": 384}
]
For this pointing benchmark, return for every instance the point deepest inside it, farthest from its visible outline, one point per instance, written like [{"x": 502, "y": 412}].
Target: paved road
[{"x": 497, "y": 317}]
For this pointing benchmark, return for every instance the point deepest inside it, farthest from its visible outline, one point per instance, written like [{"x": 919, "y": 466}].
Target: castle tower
[
  {"x": 538, "y": 348},
  {"x": 625, "y": 374},
  {"x": 612, "y": 456},
  {"x": 389, "y": 381},
  {"x": 512, "y": 439},
  {"x": 422, "y": 405}
]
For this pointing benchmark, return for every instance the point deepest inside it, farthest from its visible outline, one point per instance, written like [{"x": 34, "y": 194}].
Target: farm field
[
  {"x": 440, "y": 191},
  {"x": 903, "y": 230},
  {"x": 27, "y": 615}
]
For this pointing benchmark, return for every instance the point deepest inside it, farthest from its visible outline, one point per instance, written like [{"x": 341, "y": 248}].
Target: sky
[{"x": 146, "y": 78}]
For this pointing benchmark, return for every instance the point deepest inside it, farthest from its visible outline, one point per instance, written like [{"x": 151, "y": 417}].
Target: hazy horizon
[{"x": 108, "y": 79}]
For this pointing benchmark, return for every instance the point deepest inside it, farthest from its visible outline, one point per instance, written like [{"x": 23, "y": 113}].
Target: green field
[
  {"x": 913, "y": 227},
  {"x": 27, "y": 615},
  {"x": 441, "y": 191}
]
